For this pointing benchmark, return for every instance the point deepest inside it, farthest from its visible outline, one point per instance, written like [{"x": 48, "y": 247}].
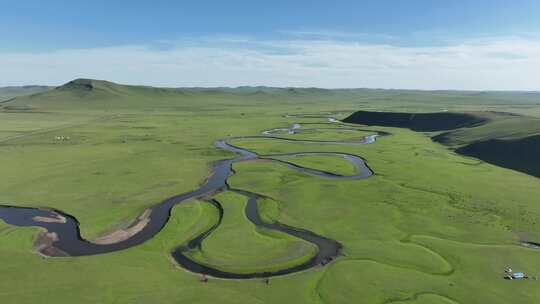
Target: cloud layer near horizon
[{"x": 487, "y": 64}]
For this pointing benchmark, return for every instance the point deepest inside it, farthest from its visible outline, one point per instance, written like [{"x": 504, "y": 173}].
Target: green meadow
[
  {"x": 239, "y": 246},
  {"x": 328, "y": 163},
  {"x": 431, "y": 226}
]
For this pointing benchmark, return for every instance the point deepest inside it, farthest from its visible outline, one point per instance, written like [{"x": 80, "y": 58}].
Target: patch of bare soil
[
  {"x": 44, "y": 245},
  {"x": 124, "y": 234},
  {"x": 57, "y": 218}
]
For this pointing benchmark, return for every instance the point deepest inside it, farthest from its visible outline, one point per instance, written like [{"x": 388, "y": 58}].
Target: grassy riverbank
[
  {"x": 429, "y": 227},
  {"x": 238, "y": 246}
]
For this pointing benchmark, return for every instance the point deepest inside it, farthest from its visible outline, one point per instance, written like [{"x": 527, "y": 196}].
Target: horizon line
[{"x": 272, "y": 87}]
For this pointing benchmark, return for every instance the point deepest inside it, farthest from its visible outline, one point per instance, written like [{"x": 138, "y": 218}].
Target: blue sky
[{"x": 272, "y": 42}]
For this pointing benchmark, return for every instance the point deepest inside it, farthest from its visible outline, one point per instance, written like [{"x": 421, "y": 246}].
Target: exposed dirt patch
[
  {"x": 124, "y": 234},
  {"x": 44, "y": 244},
  {"x": 57, "y": 218}
]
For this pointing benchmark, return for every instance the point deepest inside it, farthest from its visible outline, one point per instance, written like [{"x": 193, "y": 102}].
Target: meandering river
[{"x": 63, "y": 237}]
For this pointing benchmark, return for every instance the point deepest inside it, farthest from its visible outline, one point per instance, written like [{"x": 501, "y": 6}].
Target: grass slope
[
  {"x": 503, "y": 139},
  {"x": 499, "y": 126},
  {"x": 423, "y": 122},
  {"x": 7, "y": 93},
  {"x": 518, "y": 154}
]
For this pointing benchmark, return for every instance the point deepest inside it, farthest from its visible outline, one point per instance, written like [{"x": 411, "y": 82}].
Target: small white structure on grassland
[{"x": 509, "y": 274}]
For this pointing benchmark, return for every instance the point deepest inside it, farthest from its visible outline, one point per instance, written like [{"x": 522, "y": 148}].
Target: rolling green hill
[
  {"x": 422, "y": 122},
  {"x": 520, "y": 154},
  {"x": 7, "y": 93},
  {"x": 94, "y": 95},
  {"x": 504, "y": 139}
]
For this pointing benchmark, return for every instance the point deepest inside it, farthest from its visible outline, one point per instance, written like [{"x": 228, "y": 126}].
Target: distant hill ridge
[
  {"x": 8, "y": 93},
  {"x": 423, "y": 122},
  {"x": 88, "y": 85},
  {"x": 503, "y": 139},
  {"x": 85, "y": 84},
  {"x": 85, "y": 93},
  {"x": 27, "y": 87},
  {"x": 82, "y": 85}
]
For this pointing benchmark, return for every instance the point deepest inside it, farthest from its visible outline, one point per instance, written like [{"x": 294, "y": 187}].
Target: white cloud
[
  {"x": 332, "y": 34},
  {"x": 494, "y": 64}
]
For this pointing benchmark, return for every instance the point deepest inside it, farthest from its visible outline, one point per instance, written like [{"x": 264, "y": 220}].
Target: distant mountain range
[
  {"x": 7, "y": 93},
  {"x": 81, "y": 83}
]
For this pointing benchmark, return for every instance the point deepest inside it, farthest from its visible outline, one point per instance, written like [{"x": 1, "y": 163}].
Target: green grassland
[
  {"x": 430, "y": 226},
  {"x": 325, "y": 132},
  {"x": 328, "y": 163},
  {"x": 239, "y": 246}
]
